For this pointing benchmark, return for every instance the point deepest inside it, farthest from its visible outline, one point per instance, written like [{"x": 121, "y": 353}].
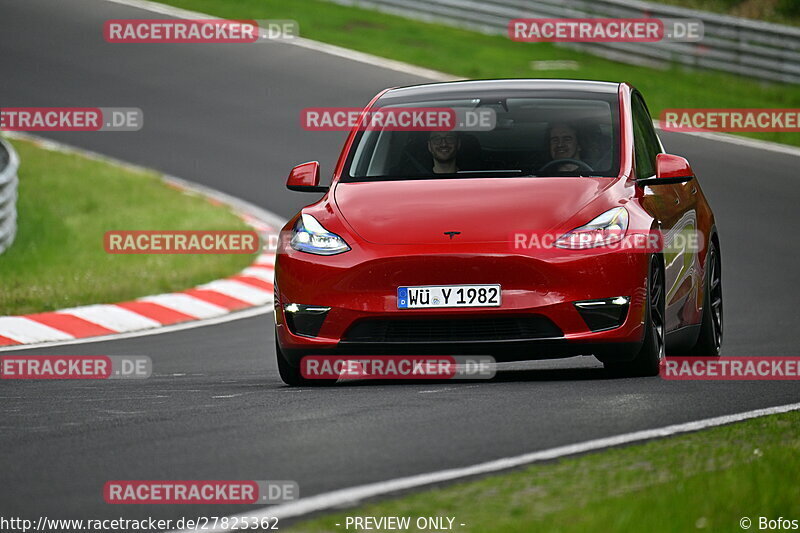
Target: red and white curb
[{"x": 250, "y": 288}]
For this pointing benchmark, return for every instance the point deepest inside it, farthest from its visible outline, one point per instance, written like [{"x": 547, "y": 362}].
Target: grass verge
[
  {"x": 475, "y": 55},
  {"x": 67, "y": 203},
  {"x": 701, "y": 481}
]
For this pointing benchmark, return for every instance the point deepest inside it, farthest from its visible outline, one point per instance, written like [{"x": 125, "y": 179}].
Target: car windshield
[{"x": 494, "y": 136}]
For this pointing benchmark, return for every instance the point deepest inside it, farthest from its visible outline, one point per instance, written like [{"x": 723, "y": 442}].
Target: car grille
[{"x": 452, "y": 330}]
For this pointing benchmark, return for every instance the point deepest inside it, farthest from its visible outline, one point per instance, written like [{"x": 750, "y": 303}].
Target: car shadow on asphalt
[{"x": 502, "y": 376}]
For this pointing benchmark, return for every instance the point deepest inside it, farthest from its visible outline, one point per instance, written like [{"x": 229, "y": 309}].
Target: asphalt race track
[{"x": 227, "y": 116}]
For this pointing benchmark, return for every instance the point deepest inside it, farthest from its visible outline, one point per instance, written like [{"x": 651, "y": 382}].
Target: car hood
[{"x": 481, "y": 209}]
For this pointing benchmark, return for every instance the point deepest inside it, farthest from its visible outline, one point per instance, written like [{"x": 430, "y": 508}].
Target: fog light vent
[
  {"x": 305, "y": 320},
  {"x": 604, "y": 314}
]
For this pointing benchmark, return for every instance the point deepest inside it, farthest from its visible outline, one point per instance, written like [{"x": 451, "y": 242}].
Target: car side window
[{"x": 646, "y": 144}]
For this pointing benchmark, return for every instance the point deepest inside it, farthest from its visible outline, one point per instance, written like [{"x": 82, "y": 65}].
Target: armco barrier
[
  {"x": 741, "y": 46},
  {"x": 9, "y": 163}
]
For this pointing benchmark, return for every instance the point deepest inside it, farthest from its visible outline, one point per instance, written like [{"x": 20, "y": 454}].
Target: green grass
[
  {"x": 700, "y": 481},
  {"x": 475, "y": 55},
  {"x": 67, "y": 203}
]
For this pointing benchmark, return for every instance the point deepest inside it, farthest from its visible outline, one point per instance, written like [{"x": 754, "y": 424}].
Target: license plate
[{"x": 448, "y": 296}]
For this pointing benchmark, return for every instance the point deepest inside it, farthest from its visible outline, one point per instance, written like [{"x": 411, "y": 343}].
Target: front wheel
[
  {"x": 653, "y": 350},
  {"x": 292, "y": 376},
  {"x": 289, "y": 374}
]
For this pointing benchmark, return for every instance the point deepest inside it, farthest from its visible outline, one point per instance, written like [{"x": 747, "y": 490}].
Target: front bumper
[{"x": 540, "y": 288}]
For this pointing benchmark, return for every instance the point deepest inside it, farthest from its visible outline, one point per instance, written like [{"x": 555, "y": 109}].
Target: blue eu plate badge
[{"x": 402, "y": 298}]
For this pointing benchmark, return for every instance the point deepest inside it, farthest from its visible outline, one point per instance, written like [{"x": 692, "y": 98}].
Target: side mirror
[
  {"x": 305, "y": 178},
  {"x": 669, "y": 169}
]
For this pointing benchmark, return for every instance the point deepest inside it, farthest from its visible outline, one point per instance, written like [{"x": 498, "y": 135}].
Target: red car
[{"x": 517, "y": 239}]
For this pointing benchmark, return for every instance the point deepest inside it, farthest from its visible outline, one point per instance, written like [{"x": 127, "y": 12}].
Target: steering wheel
[{"x": 555, "y": 162}]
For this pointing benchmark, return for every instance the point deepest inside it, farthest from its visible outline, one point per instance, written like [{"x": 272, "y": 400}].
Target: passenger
[
  {"x": 595, "y": 147},
  {"x": 443, "y": 146}
]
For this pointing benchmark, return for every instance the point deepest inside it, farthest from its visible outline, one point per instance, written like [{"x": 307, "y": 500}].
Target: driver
[{"x": 563, "y": 139}]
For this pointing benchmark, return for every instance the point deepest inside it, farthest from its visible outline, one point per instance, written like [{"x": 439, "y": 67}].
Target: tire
[
  {"x": 709, "y": 342},
  {"x": 653, "y": 350},
  {"x": 292, "y": 376},
  {"x": 289, "y": 374}
]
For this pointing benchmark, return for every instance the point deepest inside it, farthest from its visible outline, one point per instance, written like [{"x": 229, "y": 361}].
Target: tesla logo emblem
[{"x": 452, "y": 234}]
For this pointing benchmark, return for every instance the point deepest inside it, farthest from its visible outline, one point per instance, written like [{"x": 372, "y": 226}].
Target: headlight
[
  {"x": 310, "y": 236},
  {"x": 606, "y": 229}
]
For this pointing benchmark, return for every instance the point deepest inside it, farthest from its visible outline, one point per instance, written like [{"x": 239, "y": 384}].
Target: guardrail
[
  {"x": 9, "y": 163},
  {"x": 750, "y": 48}
]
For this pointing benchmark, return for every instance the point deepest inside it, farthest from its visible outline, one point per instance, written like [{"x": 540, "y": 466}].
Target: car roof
[{"x": 470, "y": 87}]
